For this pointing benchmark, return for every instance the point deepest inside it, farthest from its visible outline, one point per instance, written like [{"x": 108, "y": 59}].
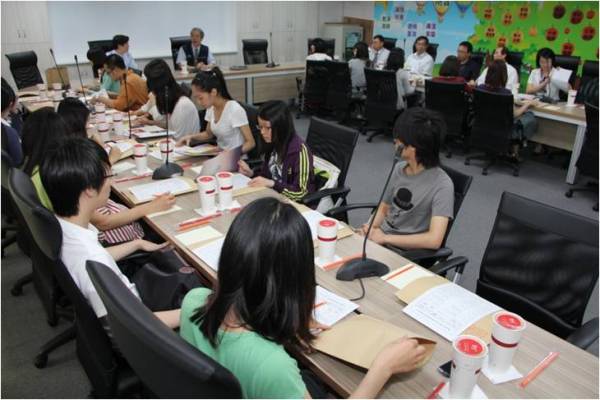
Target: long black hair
[
  {"x": 450, "y": 66},
  {"x": 75, "y": 115},
  {"x": 282, "y": 125},
  {"x": 160, "y": 80},
  {"x": 422, "y": 129},
  {"x": 42, "y": 131},
  {"x": 362, "y": 51},
  {"x": 395, "y": 60},
  {"x": 206, "y": 81},
  {"x": 266, "y": 276}
]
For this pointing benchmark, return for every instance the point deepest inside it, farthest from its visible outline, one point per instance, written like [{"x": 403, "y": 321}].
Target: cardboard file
[{"x": 198, "y": 236}]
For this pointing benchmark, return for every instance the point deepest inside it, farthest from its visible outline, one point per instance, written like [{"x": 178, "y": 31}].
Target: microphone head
[
  {"x": 75, "y": 56},
  {"x": 403, "y": 198}
]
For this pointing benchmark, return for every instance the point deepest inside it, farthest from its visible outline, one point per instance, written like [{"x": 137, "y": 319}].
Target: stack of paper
[
  {"x": 201, "y": 150},
  {"x": 331, "y": 308},
  {"x": 211, "y": 253},
  {"x": 148, "y": 191},
  {"x": 405, "y": 275},
  {"x": 122, "y": 167},
  {"x": 150, "y": 131},
  {"x": 174, "y": 156},
  {"x": 197, "y": 236}
]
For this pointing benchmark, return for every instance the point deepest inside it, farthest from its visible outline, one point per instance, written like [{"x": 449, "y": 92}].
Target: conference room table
[{"x": 573, "y": 375}]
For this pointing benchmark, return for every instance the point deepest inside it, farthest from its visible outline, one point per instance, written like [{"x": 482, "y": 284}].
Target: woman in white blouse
[
  {"x": 168, "y": 98},
  {"x": 540, "y": 80},
  {"x": 226, "y": 118}
]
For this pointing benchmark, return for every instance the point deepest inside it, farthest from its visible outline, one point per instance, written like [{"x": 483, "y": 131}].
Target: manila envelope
[{"x": 359, "y": 339}]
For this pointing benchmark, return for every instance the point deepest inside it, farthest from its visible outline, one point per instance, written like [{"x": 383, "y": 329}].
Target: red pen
[
  {"x": 194, "y": 220},
  {"x": 132, "y": 178},
  {"x": 437, "y": 389},
  {"x": 192, "y": 225}
]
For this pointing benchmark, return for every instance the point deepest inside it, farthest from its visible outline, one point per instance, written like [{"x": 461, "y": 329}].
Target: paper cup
[
  {"x": 571, "y": 98},
  {"x": 507, "y": 329},
  {"x": 225, "y": 183},
  {"x": 57, "y": 86},
  {"x": 57, "y": 96},
  {"x": 43, "y": 95},
  {"x": 207, "y": 188},
  {"x": 468, "y": 353},
  {"x": 166, "y": 148},
  {"x": 100, "y": 117},
  {"x": 117, "y": 117},
  {"x": 100, "y": 107},
  {"x": 140, "y": 155},
  {"x": 104, "y": 131},
  {"x": 41, "y": 87},
  {"x": 119, "y": 128},
  {"x": 327, "y": 230}
]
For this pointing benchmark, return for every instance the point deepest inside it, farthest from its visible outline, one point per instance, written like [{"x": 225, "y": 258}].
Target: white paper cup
[
  {"x": 468, "y": 353},
  {"x": 57, "y": 86},
  {"x": 166, "y": 148},
  {"x": 43, "y": 95},
  {"x": 571, "y": 98},
  {"x": 327, "y": 230},
  {"x": 57, "y": 96},
  {"x": 225, "y": 183},
  {"x": 117, "y": 117},
  {"x": 100, "y": 107},
  {"x": 41, "y": 87},
  {"x": 104, "y": 131},
  {"x": 507, "y": 329},
  {"x": 119, "y": 128},
  {"x": 207, "y": 188},
  {"x": 100, "y": 117},
  {"x": 140, "y": 155}
]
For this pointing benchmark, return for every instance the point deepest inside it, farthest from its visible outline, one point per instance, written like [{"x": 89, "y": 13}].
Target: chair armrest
[
  {"x": 315, "y": 197},
  {"x": 342, "y": 209},
  {"x": 418, "y": 255},
  {"x": 457, "y": 263},
  {"x": 136, "y": 255},
  {"x": 585, "y": 335}
]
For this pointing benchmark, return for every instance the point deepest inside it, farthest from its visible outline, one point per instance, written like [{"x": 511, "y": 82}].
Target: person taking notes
[{"x": 130, "y": 98}]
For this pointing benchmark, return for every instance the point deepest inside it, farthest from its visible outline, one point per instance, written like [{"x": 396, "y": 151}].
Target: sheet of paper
[
  {"x": 203, "y": 149},
  {"x": 560, "y": 78},
  {"x": 159, "y": 213},
  {"x": 147, "y": 191},
  {"x": 199, "y": 235},
  {"x": 449, "y": 309},
  {"x": 150, "y": 131},
  {"x": 358, "y": 339},
  {"x": 497, "y": 378},
  {"x": 240, "y": 181},
  {"x": 122, "y": 167},
  {"x": 172, "y": 157},
  {"x": 405, "y": 275},
  {"x": 313, "y": 218},
  {"x": 123, "y": 146},
  {"x": 330, "y": 308},
  {"x": 211, "y": 253},
  {"x": 197, "y": 170}
]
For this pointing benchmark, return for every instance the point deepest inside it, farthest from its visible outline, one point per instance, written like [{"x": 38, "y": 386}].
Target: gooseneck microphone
[
  {"x": 127, "y": 100},
  {"x": 81, "y": 82},
  {"x": 167, "y": 170},
  {"x": 58, "y": 70},
  {"x": 272, "y": 63}
]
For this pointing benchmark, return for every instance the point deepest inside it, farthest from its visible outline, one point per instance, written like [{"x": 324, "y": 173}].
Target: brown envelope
[{"x": 360, "y": 338}]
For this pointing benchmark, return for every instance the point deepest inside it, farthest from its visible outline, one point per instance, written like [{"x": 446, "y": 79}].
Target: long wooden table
[{"x": 573, "y": 375}]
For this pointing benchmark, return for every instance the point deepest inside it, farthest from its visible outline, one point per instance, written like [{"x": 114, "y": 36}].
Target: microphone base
[
  {"x": 361, "y": 268},
  {"x": 272, "y": 65},
  {"x": 167, "y": 171}
]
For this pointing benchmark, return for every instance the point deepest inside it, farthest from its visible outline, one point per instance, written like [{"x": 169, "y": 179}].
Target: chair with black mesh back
[
  {"x": 106, "y": 44},
  {"x": 589, "y": 75},
  {"x": 109, "y": 374},
  {"x": 587, "y": 163},
  {"x": 541, "y": 262},
  {"x": 515, "y": 58},
  {"x": 492, "y": 129},
  {"x": 449, "y": 99},
  {"x": 381, "y": 101},
  {"x": 329, "y": 46},
  {"x": 256, "y": 155},
  {"x": 316, "y": 86},
  {"x": 167, "y": 365},
  {"x": 389, "y": 43},
  {"x": 339, "y": 91},
  {"x": 176, "y": 43},
  {"x": 24, "y": 69},
  {"x": 255, "y": 51},
  {"x": 571, "y": 63}
]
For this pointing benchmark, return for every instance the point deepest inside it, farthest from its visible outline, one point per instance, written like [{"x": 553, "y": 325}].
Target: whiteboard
[{"x": 148, "y": 24}]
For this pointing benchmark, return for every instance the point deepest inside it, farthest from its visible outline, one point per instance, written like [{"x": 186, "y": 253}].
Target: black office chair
[
  {"x": 106, "y": 44},
  {"x": 587, "y": 163},
  {"x": 541, "y": 262},
  {"x": 339, "y": 90},
  {"x": 449, "y": 99},
  {"x": 515, "y": 58},
  {"x": 257, "y": 154},
  {"x": 585, "y": 336},
  {"x": 329, "y": 46},
  {"x": 589, "y": 73},
  {"x": 96, "y": 57},
  {"x": 167, "y": 365},
  {"x": 316, "y": 86},
  {"x": 389, "y": 43},
  {"x": 334, "y": 143},
  {"x": 107, "y": 372},
  {"x": 176, "y": 43},
  {"x": 255, "y": 51},
  {"x": 431, "y": 50},
  {"x": 492, "y": 129},
  {"x": 381, "y": 102},
  {"x": 24, "y": 69},
  {"x": 436, "y": 260}
]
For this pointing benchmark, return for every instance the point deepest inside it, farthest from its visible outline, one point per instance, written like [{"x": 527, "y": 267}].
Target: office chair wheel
[
  {"x": 41, "y": 360},
  {"x": 467, "y": 162},
  {"x": 569, "y": 193},
  {"x": 484, "y": 172},
  {"x": 17, "y": 290}
]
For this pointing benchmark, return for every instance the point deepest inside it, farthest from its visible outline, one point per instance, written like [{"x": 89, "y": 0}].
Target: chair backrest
[
  {"x": 168, "y": 365},
  {"x": 176, "y": 43},
  {"x": 515, "y": 58},
  {"x": 382, "y": 96},
  {"x": 492, "y": 121},
  {"x": 589, "y": 72},
  {"x": 461, "y": 183},
  {"x": 339, "y": 90},
  {"x": 540, "y": 262},
  {"x": 7, "y": 206},
  {"x": 389, "y": 43},
  {"x": 332, "y": 142},
  {"x": 104, "y": 44},
  {"x": 329, "y": 46},
  {"x": 252, "y": 115},
  {"x": 567, "y": 62},
  {"x": 587, "y": 162},
  {"x": 479, "y": 57},
  {"x": 431, "y": 49},
  {"x": 255, "y": 51},
  {"x": 24, "y": 69},
  {"x": 448, "y": 98},
  {"x": 316, "y": 85},
  {"x": 93, "y": 345}
]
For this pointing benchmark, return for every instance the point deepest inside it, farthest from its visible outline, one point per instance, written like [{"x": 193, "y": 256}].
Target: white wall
[{"x": 359, "y": 9}]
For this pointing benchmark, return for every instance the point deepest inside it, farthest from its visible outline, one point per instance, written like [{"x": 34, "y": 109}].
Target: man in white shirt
[
  {"x": 121, "y": 47},
  {"x": 420, "y": 62},
  {"x": 377, "y": 53},
  {"x": 195, "y": 54},
  {"x": 513, "y": 76},
  {"x": 318, "y": 51},
  {"x": 77, "y": 178}
]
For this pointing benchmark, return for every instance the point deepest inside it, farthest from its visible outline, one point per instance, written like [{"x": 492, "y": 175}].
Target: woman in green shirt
[{"x": 264, "y": 301}]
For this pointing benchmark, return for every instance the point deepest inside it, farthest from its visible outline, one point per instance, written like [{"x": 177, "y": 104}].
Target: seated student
[
  {"x": 395, "y": 62},
  {"x": 77, "y": 175},
  {"x": 468, "y": 68},
  {"x": 15, "y": 114},
  {"x": 289, "y": 167},
  {"x": 264, "y": 301},
  {"x": 358, "y": 63},
  {"x": 11, "y": 142},
  {"x": 423, "y": 223},
  {"x": 183, "y": 114},
  {"x": 512, "y": 80},
  {"x": 226, "y": 118},
  {"x": 450, "y": 72},
  {"x": 420, "y": 62},
  {"x": 318, "y": 51},
  {"x": 98, "y": 60},
  {"x": 377, "y": 53},
  {"x": 121, "y": 48},
  {"x": 540, "y": 80},
  {"x": 130, "y": 98},
  {"x": 195, "y": 54}
]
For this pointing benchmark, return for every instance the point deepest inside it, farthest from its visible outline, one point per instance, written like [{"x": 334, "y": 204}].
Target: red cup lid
[
  {"x": 224, "y": 174},
  {"x": 139, "y": 145},
  {"x": 327, "y": 223},
  {"x": 205, "y": 179},
  {"x": 509, "y": 321},
  {"x": 469, "y": 346}
]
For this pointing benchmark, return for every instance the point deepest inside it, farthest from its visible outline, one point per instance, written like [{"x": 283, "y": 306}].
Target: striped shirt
[{"x": 121, "y": 234}]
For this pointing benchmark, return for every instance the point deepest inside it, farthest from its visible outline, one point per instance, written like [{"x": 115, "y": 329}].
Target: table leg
[
  {"x": 579, "y": 139},
  {"x": 250, "y": 91}
]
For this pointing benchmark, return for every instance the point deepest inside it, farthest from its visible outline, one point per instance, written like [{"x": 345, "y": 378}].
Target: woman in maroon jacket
[
  {"x": 288, "y": 168},
  {"x": 449, "y": 72}
]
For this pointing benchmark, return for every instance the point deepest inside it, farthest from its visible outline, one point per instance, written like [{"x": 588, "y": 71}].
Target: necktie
[
  {"x": 375, "y": 59},
  {"x": 195, "y": 53}
]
